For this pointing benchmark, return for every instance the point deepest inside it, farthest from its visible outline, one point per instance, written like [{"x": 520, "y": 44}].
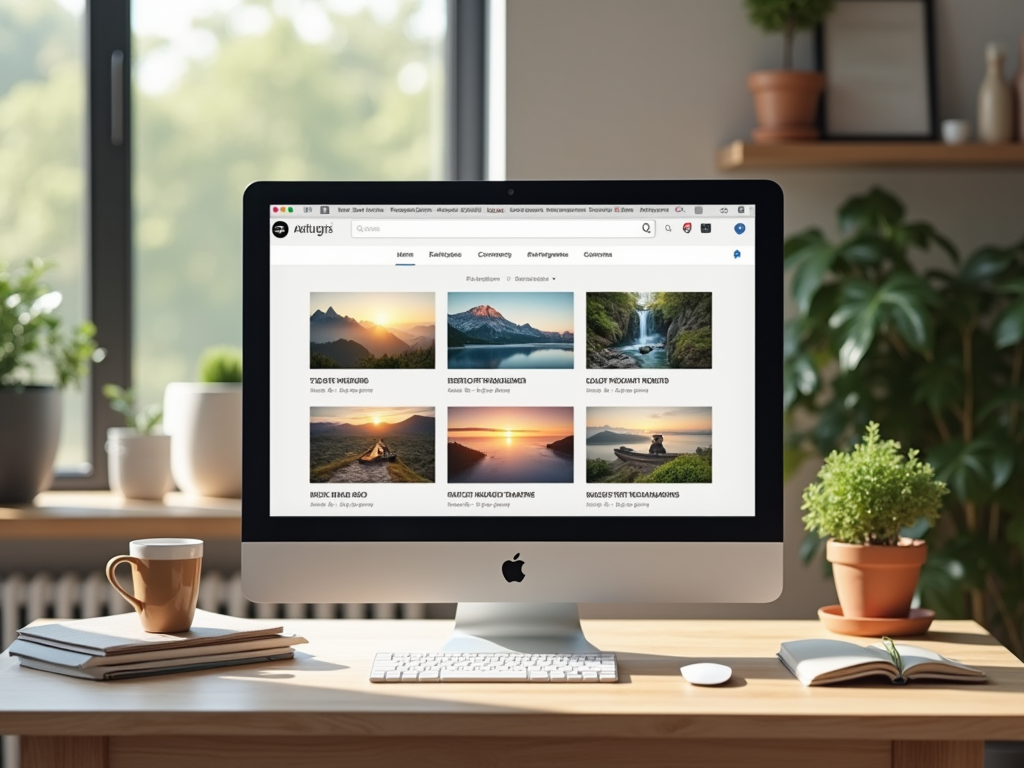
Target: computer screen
[
  {"x": 512, "y": 360},
  {"x": 520, "y": 368}
]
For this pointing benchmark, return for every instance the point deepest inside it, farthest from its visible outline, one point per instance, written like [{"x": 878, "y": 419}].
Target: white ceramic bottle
[{"x": 995, "y": 100}]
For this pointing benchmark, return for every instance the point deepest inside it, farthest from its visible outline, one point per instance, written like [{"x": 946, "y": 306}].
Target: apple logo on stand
[{"x": 512, "y": 569}]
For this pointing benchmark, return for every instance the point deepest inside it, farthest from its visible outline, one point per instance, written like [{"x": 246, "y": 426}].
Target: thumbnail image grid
[
  {"x": 371, "y": 445},
  {"x": 510, "y": 330},
  {"x": 371, "y": 330},
  {"x": 648, "y": 330},
  {"x": 648, "y": 445},
  {"x": 510, "y": 445}
]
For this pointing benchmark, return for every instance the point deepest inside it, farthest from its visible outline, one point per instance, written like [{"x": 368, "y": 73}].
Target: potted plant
[
  {"x": 863, "y": 502},
  {"x": 786, "y": 102},
  {"x": 37, "y": 360},
  {"x": 204, "y": 420},
  {"x": 139, "y": 463}
]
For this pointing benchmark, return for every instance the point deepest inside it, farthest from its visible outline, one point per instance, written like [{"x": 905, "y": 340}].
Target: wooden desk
[{"x": 320, "y": 710}]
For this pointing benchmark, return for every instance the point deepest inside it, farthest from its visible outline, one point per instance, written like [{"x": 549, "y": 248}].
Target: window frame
[{"x": 108, "y": 199}]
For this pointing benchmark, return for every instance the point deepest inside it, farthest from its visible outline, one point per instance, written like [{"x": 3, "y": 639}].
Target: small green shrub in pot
[
  {"x": 863, "y": 501},
  {"x": 221, "y": 365},
  {"x": 869, "y": 495},
  {"x": 39, "y": 356}
]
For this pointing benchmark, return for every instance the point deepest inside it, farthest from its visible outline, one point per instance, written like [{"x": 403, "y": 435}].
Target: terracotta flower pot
[
  {"x": 786, "y": 104},
  {"x": 876, "y": 582}
]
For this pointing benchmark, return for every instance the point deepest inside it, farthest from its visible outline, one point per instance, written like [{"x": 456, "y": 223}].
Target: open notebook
[{"x": 820, "y": 662}]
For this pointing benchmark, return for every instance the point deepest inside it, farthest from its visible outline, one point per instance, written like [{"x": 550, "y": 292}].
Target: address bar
[{"x": 444, "y": 229}]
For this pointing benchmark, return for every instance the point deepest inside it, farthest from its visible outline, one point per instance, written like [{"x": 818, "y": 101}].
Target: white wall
[{"x": 652, "y": 88}]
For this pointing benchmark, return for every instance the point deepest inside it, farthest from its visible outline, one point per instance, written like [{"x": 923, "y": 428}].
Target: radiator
[{"x": 25, "y": 598}]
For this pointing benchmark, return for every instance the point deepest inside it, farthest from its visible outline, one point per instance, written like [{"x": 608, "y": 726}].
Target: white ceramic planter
[
  {"x": 205, "y": 425},
  {"x": 138, "y": 466}
]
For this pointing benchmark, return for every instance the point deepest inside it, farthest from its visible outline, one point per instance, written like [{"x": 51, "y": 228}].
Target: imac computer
[{"x": 516, "y": 396}]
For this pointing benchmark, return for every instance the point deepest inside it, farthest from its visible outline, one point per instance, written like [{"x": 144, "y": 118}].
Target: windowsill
[{"x": 104, "y": 515}]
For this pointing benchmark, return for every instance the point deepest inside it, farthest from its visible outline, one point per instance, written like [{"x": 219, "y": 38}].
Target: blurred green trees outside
[{"x": 223, "y": 94}]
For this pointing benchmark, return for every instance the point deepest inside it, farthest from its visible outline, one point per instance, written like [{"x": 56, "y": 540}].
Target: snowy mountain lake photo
[{"x": 510, "y": 330}]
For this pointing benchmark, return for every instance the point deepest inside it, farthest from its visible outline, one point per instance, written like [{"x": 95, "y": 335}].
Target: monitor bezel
[{"x": 259, "y": 525}]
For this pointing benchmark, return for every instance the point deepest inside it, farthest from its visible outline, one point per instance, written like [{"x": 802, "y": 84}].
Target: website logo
[{"x": 280, "y": 229}]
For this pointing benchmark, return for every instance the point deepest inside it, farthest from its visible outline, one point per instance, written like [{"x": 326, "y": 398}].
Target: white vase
[
  {"x": 138, "y": 466},
  {"x": 995, "y": 100},
  {"x": 205, "y": 425}
]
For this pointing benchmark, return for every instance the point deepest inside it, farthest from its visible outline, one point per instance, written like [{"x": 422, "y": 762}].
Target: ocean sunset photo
[
  {"x": 510, "y": 445},
  {"x": 371, "y": 330},
  {"x": 631, "y": 444},
  {"x": 510, "y": 330}
]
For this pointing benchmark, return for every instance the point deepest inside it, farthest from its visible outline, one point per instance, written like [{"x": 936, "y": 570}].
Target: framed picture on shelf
[{"x": 878, "y": 60}]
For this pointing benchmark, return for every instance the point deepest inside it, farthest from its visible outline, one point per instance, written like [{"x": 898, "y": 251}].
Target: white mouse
[{"x": 706, "y": 673}]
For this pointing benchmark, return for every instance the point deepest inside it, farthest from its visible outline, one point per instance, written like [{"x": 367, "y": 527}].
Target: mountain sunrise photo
[
  {"x": 510, "y": 330},
  {"x": 371, "y": 330}
]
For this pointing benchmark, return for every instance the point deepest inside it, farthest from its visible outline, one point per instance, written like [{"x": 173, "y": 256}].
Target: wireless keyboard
[{"x": 494, "y": 667}]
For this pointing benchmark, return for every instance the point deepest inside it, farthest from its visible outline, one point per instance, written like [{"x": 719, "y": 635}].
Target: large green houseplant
[
  {"x": 892, "y": 326},
  {"x": 38, "y": 358},
  {"x": 786, "y": 101}
]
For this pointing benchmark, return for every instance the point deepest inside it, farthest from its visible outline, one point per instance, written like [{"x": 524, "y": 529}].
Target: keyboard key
[{"x": 483, "y": 677}]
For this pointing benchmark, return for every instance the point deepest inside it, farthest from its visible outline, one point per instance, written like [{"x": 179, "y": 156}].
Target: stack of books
[{"x": 116, "y": 647}]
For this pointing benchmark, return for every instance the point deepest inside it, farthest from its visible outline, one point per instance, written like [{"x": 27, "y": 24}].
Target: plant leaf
[
  {"x": 986, "y": 264},
  {"x": 810, "y": 265},
  {"x": 964, "y": 467},
  {"x": 875, "y": 211},
  {"x": 1009, "y": 330}
]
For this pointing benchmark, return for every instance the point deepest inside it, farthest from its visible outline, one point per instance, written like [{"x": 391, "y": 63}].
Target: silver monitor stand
[{"x": 517, "y": 627}]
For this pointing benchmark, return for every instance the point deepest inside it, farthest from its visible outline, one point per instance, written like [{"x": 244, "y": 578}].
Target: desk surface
[{"x": 325, "y": 691}]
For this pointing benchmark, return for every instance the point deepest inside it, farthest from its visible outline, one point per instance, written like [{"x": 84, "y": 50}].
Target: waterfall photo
[{"x": 648, "y": 330}]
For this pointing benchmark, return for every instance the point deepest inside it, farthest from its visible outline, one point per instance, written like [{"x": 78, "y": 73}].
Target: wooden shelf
[
  {"x": 823, "y": 154},
  {"x": 103, "y": 515}
]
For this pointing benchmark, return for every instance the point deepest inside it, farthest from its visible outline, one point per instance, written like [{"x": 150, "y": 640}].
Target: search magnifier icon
[
  {"x": 359, "y": 229},
  {"x": 646, "y": 228},
  {"x": 668, "y": 227}
]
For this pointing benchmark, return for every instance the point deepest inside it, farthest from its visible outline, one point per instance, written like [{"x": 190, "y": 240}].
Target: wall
[{"x": 652, "y": 88}]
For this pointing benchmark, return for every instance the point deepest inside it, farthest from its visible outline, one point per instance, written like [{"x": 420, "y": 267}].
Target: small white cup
[{"x": 956, "y": 131}]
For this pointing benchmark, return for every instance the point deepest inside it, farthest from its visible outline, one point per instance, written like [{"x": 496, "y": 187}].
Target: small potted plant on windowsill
[
  {"x": 37, "y": 360},
  {"x": 139, "y": 460},
  {"x": 204, "y": 420},
  {"x": 786, "y": 101},
  {"x": 864, "y": 500}
]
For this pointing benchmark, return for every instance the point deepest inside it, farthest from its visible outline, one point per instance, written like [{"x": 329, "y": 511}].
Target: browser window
[{"x": 512, "y": 360}]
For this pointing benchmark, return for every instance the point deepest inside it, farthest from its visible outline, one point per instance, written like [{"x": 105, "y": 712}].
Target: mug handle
[{"x": 137, "y": 604}]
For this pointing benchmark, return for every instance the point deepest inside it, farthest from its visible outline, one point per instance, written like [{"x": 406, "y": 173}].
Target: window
[
  {"x": 128, "y": 131},
  {"x": 42, "y": 157}
]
